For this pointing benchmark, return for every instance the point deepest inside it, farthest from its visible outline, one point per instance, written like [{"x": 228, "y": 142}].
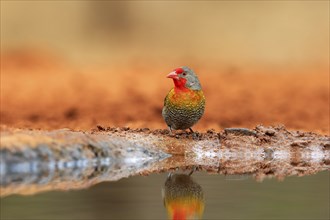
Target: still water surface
[{"x": 140, "y": 197}]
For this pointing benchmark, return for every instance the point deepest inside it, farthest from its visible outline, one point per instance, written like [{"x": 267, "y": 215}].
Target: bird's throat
[{"x": 180, "y": 85}]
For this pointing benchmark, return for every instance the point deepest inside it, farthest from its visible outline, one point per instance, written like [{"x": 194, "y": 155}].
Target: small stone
[
  {"x": 240, "y": 131},
  {"x": 326, "y": 146},
  {"x": 300, "y": 144},
  {"x": 100, "y": 128},
  {"x": 270, "y": 132},
  {"x": 269, "y": 154}
]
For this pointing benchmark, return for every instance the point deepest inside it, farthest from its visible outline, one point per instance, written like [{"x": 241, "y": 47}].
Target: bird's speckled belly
[{"x": 183, "y": 110}]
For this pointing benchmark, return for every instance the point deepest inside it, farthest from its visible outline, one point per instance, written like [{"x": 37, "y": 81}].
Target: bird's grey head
[{"x": 191, "y": 78}]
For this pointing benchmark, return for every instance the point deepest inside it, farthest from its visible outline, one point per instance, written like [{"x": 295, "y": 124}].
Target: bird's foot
[{"x": 171, "y": 133}]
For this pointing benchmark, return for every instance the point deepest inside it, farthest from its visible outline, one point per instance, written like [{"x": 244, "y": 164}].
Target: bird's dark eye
[{"x": 184, "y": 74}]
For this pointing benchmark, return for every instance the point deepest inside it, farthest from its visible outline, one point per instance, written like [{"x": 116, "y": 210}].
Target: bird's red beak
[{"x": 173, "y": 75}]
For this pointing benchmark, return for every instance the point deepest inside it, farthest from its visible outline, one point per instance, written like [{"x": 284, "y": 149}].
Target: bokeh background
[{"x": 77, "y": 64}]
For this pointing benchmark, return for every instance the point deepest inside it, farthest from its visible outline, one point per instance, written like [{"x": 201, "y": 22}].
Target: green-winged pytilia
[{"x": 185, "y": 103}]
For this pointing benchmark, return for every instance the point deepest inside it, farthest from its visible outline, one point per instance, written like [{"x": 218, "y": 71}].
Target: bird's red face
[{"x": 178, "y": 76}]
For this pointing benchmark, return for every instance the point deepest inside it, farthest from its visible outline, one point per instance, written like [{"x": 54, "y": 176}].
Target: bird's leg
[
  {"x": 195, "y": 136},
  {"x": 169, "y": 128}
]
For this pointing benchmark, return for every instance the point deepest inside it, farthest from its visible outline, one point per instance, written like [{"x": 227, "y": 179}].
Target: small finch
[{"x": 185, "y": 103}]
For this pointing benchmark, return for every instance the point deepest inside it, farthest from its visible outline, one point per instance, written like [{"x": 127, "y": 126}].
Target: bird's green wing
[{"x": 165, "y": 99}]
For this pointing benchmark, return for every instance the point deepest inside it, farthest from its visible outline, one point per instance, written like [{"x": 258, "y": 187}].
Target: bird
[
  {"x": 184, "y": 104},
  {"x": 183, "y": 198}
]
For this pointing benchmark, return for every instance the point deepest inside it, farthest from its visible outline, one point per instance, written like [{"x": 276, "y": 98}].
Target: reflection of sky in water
[{"x": 140, "y": 197}]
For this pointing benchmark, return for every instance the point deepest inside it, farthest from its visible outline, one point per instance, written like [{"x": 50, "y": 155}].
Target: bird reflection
[{"x": 183, "y": 197}]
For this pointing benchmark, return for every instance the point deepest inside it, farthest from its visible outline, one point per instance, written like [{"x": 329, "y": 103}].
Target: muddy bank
[
  {"x": 263, "y": 151},
  {"x": 35, "y": 160}
]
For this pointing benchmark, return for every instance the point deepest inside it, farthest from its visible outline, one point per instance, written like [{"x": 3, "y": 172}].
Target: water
[
  {"x": 140, "y": 197},
  {"x": 124, "y": 175}
]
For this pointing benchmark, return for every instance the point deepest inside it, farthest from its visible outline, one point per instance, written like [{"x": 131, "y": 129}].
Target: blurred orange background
[{"x": 77, "y": 64}]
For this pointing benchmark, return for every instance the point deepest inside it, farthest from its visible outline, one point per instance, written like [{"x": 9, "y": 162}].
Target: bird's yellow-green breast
[
  {"x": 182, "y": 109},
  {"x": 190, "y": 99}
]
